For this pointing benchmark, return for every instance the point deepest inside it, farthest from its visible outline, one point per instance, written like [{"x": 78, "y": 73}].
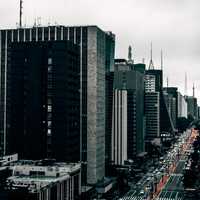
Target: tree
[{"x": 182, "y": 124}]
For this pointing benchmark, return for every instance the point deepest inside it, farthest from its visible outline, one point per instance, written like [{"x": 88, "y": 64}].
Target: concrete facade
[
  {"x": 182, "y": 106},
  {"x": 96, "y": 106},
  {"x": 96, "y": 55},
  {"x": 119, "y": 130},
  {"x": 58, "y": 181},
  {"x": 128, "y": 80}
]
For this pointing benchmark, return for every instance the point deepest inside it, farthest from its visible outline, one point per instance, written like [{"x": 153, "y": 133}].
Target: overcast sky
[{"x": 173, "y": 25}]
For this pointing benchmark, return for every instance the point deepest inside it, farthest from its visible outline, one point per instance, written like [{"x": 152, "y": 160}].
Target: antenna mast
[
  {"x": 130, "y": 60},
  {"x": 193, "y": 88},
  {"x": 129, "y": 53},
  {"x": 20, "y": 14},
  {"x": 186, "y": 84},
  {"x": 161, "y": 59},
  {"x": 167, "y": 82},
  {"x": 151, "y": 65}
]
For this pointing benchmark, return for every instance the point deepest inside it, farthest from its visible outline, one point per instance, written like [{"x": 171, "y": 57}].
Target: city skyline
[
  {"x": 65, "y": 97},
  {"x": 152, "y": 21}
]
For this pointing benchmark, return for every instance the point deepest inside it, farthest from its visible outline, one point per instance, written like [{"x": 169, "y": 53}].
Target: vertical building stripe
[
  {"x": 12, "y": 35},
  {"x": 67, "y": 183},
  {"x": 17, "y": 35},
  {"x": 42, "y": 33},
  {"x": 36, "y": 34},
  {"x": 55, "y": 33},
  {"x": 81, "y": 86},
  {"x": 116, "y": 126},
  {"x": 49, "y": 33},
  {"x": 0, "y": 61},
  {"x": 30, "y": 34},
  {"x": 113, "y": 125},
  {"x": 67, "y": 33},
  {"x": 74, "y": 35},
  {"x": 62, "y": 33},
  {"x": 5, "y": 89},
  {"x": 24, "y": 35}
]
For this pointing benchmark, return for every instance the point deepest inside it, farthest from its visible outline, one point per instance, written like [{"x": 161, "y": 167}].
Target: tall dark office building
[
  {"x": 158, "y": 118},
  {"x": 108, "y": 132},
  {"x": 128, "y": 112},
  {"x": 192, "y": 106},
  {"x": 152, "y": 109},
  {"x": 43, "y": 100},
  {"x": 96, "y": 56},
  {"x": 110, "y": 51},
  {"x": 172, "y": 102}
]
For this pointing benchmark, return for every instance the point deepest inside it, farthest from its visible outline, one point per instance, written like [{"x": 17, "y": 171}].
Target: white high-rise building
[{"x": 182, "y": 106}]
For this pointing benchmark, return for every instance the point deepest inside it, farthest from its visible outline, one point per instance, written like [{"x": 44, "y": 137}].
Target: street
[
  {"x": 173, "y": 189},
  {"x": 165, "y": 182}
]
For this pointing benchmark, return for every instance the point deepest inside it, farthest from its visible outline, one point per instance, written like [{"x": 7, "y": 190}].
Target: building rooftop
[{"x": 35, "y": 175}]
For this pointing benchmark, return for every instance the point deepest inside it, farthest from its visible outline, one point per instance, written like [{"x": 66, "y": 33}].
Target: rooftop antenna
[
  {"x": 130, "y": 60},
  {"x": 185, "y": 83},
  {"x": 129, "y": 53},
  {"x": 151, "y": 65},
  {"x": 20, "y": 13},
  {"x": 167, "y": 82},
  {"x": 193, "y": 89},
  {"x": 161, "y": 60},
  {"x": 38, "y": 21},
  {"x": 35, "y": 23}
]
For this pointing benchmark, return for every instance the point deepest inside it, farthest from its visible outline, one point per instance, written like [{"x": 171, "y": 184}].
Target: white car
[{"x": 142, "y": 192}]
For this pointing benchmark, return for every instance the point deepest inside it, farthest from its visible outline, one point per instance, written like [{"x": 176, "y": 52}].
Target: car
[
  {"x": 141, "y": 191},
  {"x": 149, "y": 178},
  {"x": 138, "y": 184}
]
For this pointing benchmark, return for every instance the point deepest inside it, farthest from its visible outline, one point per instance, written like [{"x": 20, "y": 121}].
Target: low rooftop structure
[{"x": 45, "y": 178}]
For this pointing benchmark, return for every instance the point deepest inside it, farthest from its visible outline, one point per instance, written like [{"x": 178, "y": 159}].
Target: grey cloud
[{"x": 170, "y": 24}]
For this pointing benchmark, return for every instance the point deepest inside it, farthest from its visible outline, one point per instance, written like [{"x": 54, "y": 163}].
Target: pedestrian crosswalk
[
  {"x": 170, "y": 195},
  {"x": 176, "y": 174},
  {"x": 132, "y": 195},
  {"x": 142, "y": 198},
  {"x": 166, "y": 198},
  {"x": 132, "y": 198}
]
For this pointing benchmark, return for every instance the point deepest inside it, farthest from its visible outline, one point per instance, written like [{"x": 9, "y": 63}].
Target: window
[
  {"x": 49, "y": 68},
  {"x": 49, "y": 108},
  {"x": 48, "y": 131},
  {"x": 49, "y": 124},
  {"x": 49, "y": 61}
]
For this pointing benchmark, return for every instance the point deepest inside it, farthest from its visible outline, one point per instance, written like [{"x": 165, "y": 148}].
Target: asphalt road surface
[
  {"x": 173, "y": 189},
  {"x": 170, "y": 187},
  {"x": 133, "y": 195}
]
